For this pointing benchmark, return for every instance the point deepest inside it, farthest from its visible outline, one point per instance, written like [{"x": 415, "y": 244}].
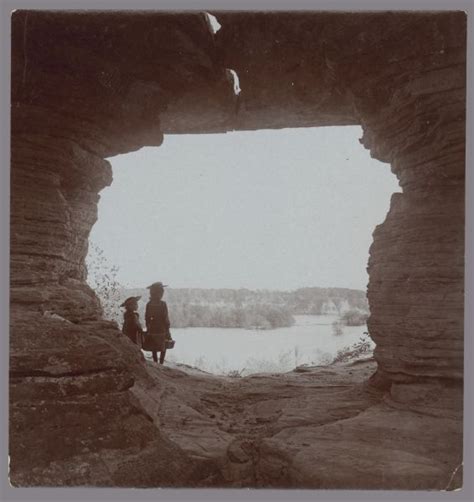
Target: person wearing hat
[
  {"x": 131, "y": 322},
  {"x": 157, "y": 322}
]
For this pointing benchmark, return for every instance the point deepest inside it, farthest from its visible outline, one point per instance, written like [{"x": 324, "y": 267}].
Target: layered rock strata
[
  {"x": 86, "y": 86},
  {"x": 402, "y": 77}
]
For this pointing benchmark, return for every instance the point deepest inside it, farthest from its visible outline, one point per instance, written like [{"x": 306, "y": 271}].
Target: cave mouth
[
  {"x": 120, "y": 80},
  {"x": 233, "y": 223}
]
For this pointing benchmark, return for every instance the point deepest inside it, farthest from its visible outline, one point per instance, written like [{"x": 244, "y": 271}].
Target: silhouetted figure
[
  {"x": 157, "y": 322},
  {"x": 131, "y": 322}
]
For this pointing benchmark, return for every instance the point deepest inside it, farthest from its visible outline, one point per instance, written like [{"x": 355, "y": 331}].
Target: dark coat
[
  {"x": 158, "y": 326},
  {"x": 132, "y": 327},
  {"x": 156, "y": 317}
]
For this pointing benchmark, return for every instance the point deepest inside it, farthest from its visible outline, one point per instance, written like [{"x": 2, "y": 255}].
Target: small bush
[
  {"x": 102, "y": 278},
  {"x": 236, "y": 373},
  {"x": 354, "y": 317},
  {"x": 363, "y": 347}
]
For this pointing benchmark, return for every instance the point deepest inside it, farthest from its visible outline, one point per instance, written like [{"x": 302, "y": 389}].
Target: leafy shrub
[
  {"x": 354, "y": 317},
  {"x": 102, "y": 278},
  {"x": 363, "y": 347}
]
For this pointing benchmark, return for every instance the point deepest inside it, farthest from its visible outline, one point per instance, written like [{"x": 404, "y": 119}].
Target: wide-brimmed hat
[
  {"x": 157, "y": 285},
  {"x": 130, "y": 299}
]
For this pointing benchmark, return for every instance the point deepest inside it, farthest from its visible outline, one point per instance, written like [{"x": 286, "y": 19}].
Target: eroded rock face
[
  {"x": 403, "y": 78},
  {"x": 416, "y": 265},
  {"x": 77, "y": 98},
  {"x": 55, "y": 186},
  {"x": 320, "y": 428},
  {"x": 87, "y": 86}
]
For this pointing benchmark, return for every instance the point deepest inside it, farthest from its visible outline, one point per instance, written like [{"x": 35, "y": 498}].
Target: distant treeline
[
  {"x": 183, "y": 315},
  {"x": 244, "y": 308}
]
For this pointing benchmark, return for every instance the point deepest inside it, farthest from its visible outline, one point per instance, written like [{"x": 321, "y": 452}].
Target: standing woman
[{"x": 157, "y": 322}]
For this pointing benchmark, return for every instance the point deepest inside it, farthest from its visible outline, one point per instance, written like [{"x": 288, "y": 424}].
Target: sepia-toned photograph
[{"x": 237, "y": 249}]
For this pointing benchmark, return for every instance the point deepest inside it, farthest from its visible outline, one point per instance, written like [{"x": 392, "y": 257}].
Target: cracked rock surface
[
  {"x": 109, "y": 418},
  {"x": 321, "y": 428}
]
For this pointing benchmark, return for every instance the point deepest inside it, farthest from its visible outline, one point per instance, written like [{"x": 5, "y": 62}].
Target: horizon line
[{"x": 253, "y": 289}]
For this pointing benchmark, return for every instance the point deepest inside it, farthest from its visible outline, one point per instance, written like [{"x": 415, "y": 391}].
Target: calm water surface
[{"x": 221, "y": 350}]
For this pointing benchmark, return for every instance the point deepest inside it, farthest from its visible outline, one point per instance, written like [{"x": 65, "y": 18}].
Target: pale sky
[{"x": 267, "y": 209}]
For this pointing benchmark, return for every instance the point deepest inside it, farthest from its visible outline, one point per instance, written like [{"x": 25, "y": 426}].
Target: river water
[{"x": 311, "y": 340}]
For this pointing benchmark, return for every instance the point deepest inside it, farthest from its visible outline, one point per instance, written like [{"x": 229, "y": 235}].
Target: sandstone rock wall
[
  {"x": 118, "y": 80},
  {"x": 402, "y": 77},
  {"x": 55, "y": 186},
  {"x": 85, "y": 87},
  {"x": 416, "y": 265},
  {"x": 88, "y": 86}
]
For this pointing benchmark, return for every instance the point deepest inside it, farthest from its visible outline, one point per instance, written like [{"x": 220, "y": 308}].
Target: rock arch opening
[
  {"x": 90, "y": 85},
  {"x": 261, "y": 230}
]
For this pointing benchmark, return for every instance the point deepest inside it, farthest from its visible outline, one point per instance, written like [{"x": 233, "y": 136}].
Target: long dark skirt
[{"x": 154, "y": 342}]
